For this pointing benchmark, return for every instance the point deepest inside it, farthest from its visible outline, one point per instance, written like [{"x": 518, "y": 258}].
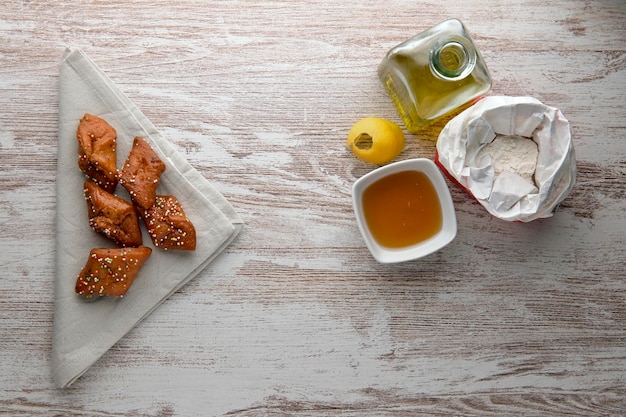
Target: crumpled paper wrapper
[
  {"x": 507, "y": 195},
  {"x": 85, "y": 330}
]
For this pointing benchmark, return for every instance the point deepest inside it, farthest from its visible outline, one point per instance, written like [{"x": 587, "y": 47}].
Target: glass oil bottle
[{"x": 434, "y": 73}]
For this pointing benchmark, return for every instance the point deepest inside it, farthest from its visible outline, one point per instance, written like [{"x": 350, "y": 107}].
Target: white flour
[{"x": 515, "y": 154}]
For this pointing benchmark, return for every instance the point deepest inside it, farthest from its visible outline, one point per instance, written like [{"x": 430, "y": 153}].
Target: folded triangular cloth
[{"x": 83, "y": 331}]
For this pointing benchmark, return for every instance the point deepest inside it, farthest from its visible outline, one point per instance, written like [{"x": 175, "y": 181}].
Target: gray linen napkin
[{"x": 83, "y": 331}]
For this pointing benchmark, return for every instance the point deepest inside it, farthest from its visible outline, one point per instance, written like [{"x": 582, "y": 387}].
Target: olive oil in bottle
[{"x": 434, "y": 73}]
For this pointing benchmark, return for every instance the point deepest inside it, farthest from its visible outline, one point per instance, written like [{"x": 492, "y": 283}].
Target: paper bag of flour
[{"x": 514, "y": 155}]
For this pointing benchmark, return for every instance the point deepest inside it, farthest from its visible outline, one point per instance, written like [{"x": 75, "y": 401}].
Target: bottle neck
[{"x": 452, "y": 58}]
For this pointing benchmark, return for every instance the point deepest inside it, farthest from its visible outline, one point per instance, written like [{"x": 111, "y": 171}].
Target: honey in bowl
[{"x": 402, "y": 209}]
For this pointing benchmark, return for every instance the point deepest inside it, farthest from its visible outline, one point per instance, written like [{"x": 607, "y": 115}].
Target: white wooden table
[{"x": 296, "y": 317}]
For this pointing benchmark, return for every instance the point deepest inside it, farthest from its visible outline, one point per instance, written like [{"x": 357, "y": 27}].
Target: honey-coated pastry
[
  {"x": 141, "y": 173},
  {"x": 97, "y": 154},
  {"x": 111, "y": 271},
  {"x": 168, "y": 225},
  {"x": 112, "y": 216}
]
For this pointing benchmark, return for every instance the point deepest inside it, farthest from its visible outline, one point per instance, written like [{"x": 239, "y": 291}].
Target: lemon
[{"x": 376, "y": 140}]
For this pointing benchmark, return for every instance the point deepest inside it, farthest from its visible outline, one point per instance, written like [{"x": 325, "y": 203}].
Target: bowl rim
[{"x": 449, "y": 227}]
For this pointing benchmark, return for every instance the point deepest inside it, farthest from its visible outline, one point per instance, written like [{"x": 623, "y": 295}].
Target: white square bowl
[{"x": 445, "y": 235}]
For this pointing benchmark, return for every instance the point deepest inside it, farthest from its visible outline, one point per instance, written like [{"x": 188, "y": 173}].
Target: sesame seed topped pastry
[
  {"x": 168, "y": 225},
  {"x": 141, "y": 173},
  {"x": 111, "y": 271},
  {"x": 97, "y": 155},
  {"x": 112, "y": 216}
]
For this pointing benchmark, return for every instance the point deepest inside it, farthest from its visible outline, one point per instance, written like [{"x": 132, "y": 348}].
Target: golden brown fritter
[
  {"x": 168, "y": 225},
  {"x": 111, "y": 271},
  {"x": 97, "y": 154},
  {"x": 141, "y": 173},
  {"x": 112, "y": 216}
]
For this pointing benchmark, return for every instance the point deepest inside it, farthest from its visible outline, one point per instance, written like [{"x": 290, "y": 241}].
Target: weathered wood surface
[{"x": 296, "y": 318}]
